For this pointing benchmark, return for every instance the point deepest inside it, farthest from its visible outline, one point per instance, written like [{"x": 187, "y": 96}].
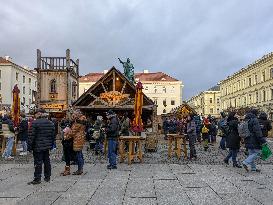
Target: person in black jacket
[
  {"x": 254, "y": 142},
  {"x": 40, "y": 141},
  {"x": 112, "y": 132},
  {"x": 265, "y": 124},
  {"x": 23, "y": 133},
  {"x": 233, "y": 139}
]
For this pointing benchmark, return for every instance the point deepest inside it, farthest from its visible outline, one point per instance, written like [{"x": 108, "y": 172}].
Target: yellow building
[
  {"x": 207, "y": 102},
  {"x": 252, "y": 86},
  {"x": 163, "y": 89}
]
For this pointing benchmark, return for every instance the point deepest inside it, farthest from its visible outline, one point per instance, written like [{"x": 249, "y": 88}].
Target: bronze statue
[{"x": 128, "y": 70}]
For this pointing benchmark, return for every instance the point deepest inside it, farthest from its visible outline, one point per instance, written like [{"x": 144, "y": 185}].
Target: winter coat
[
  {"x": 23, "y": 130},
  {"x": 191, "y": 128},
  {"x": 165, "y": 126},
  {"x": 42, "y": 135},
  {"x": 172, "y": 127},
  {"x": 7, "y": 128},
  {"x": 112, "y": 129},
  {"x": 233, "y": 139},
  {"x": 265, "y": 124},
  {"x": 222, "y": 125},
  {"x": 198, "y": 124},
  {"x": 77, "y": 133},
  {"x": 256, "y": 138}
]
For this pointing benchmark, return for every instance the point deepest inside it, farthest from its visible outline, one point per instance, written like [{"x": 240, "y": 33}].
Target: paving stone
[
  {"x": 9, "y": 201},
  {"x": 142, "y": 201},
  {"x": 40, "y": 198},
  {"x": 140, "y": 188},
  {"x": 203, "y": 196},
  {"x": 72, "y": 200}
]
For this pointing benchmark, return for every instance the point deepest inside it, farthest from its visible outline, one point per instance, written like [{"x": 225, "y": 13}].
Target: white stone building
[
  {"x": 252, "y": 86},
  {"x": 12, "y": 74},
  {"x": 207, "y": 102},
  {"x": 163, "y": 89}
]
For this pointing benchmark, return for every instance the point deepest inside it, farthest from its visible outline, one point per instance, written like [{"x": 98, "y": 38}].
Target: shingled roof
[
  {"x": 158, "y": 76},
  {"x": 3, "y": 61}
]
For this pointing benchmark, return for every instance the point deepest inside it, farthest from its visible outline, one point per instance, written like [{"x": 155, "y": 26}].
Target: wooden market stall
[{"x": 113, "y": 91}]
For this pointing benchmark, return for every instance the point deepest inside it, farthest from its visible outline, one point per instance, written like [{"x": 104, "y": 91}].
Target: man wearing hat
[
  {"x": 112, "y": 131},
  {"x": 40, "y": 141}
]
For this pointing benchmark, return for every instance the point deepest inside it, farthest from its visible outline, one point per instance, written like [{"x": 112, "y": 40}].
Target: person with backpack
[
  {"x": 112, "y": 132},
  {"x": 165, "y": 127},
  {"x": 233, "y": 139},
  {"x": 9, "y": 134},
  {"x": 198, "y": 124},
  {"x": 23, "y": 134},
  {"x": 254, "y": 140},
  {"x": 77, "y": 135},
  {"x": 223, "y": 130},
  {"x": 191, "y": 132},
  {"x": 205, "y": 130},
  {"x": 265, "y": 124},
  {"x": 98, "y": 135}
]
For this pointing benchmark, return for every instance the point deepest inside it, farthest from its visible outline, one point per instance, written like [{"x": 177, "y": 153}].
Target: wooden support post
[{"x": 114, "y": 81}]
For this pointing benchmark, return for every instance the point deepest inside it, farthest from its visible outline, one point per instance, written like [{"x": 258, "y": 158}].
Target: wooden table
[
  {"x": 177, "y": 139},
  {"x": 133, "y": 142}
]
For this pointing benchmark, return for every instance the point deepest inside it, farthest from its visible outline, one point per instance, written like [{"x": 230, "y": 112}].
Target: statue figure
[{"x": 128, "y": 70}]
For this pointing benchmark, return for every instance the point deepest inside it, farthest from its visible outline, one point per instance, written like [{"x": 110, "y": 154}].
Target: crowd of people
[
  {"x": 250, "y": 130},
  {"x": 37, "y": 135}
]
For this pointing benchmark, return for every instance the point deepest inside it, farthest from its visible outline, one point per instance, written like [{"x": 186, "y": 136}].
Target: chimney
[
  {"x": 146, "y": 71},
  {"x": 8, "y": 58},
  {"x": 105, "y": 71}
]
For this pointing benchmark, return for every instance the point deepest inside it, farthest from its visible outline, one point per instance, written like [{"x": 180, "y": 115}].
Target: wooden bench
[
  {"x": 133, "y": 143},
  {"x": 177, "y": 139}
]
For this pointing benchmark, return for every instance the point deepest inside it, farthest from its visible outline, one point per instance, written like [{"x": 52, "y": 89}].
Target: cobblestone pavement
[{"x": 156, "y": 181}]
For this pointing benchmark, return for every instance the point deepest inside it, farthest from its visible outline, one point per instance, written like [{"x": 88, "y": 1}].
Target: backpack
[
  {"x": 96, "y": 134},
  {"x": 243, "y": 129},
  {"x": 205, "y": 130}
]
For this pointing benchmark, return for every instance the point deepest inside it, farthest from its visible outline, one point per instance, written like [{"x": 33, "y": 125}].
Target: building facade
[
  {"x": 57, "y": 82},
  {"x": 164, "y": 90},
  {"x": 252, "y": 86},
  {"x": 207, "y": 102},
  {"x": 26, "y": 79}
]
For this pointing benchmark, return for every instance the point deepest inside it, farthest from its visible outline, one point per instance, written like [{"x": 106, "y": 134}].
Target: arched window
[
  {"x": 53, "y": 86},
  {"x": 74, "y": 89}
]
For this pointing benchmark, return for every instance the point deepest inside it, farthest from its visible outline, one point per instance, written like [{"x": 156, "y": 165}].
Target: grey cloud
[{"x": 199, "y": 42}]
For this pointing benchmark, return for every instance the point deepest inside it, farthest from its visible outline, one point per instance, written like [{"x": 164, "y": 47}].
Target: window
[
  {"x": 146, "y": 88},
  {"x": 271, "y": 72},
  {"x": 263, "y": 76},
  {"x": 74, "y": 89},
  {"x": 172, "y": 102},
  {"x": 218, "y": 110},
  {"x": 24, "y": 90},
  {"x": 218, "y": 101},
  {"x": 29, "y": 101},
  {"x": 250, "y": 100},
  {"x": 271, "y": 93},
  {"x": 29, "y": 92},
  {"x": 164, "y": 89},
  {"x": 53, "y": 86},
  {"x": 264, "y": 96},
  {"x": 29, "y": 80},
  {"x": 155, "y": 101},
  {"x": 24, "y": 79},
  {"x": 35, "y": 83},
  {"x": 164, "y": 111},
  {"x": 257, "y": 97},
  {"x": 164, "y": 103},
  {"x": 249, "y": 81},
  {"x": 24, "y": 100},
  {"x": 155, "y": 89},
  {"x": 211, "y": 110},
  {"x": 17, "y": 76},
  {"x": 172, "y": 90},
  {"x": 256, "y": 79},
  {"x": 0, "y": 73},
  {"x": 210, "y": 100}
]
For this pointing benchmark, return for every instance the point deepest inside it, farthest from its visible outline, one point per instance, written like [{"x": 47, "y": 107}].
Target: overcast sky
[{"x": 199, "y": 42}]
